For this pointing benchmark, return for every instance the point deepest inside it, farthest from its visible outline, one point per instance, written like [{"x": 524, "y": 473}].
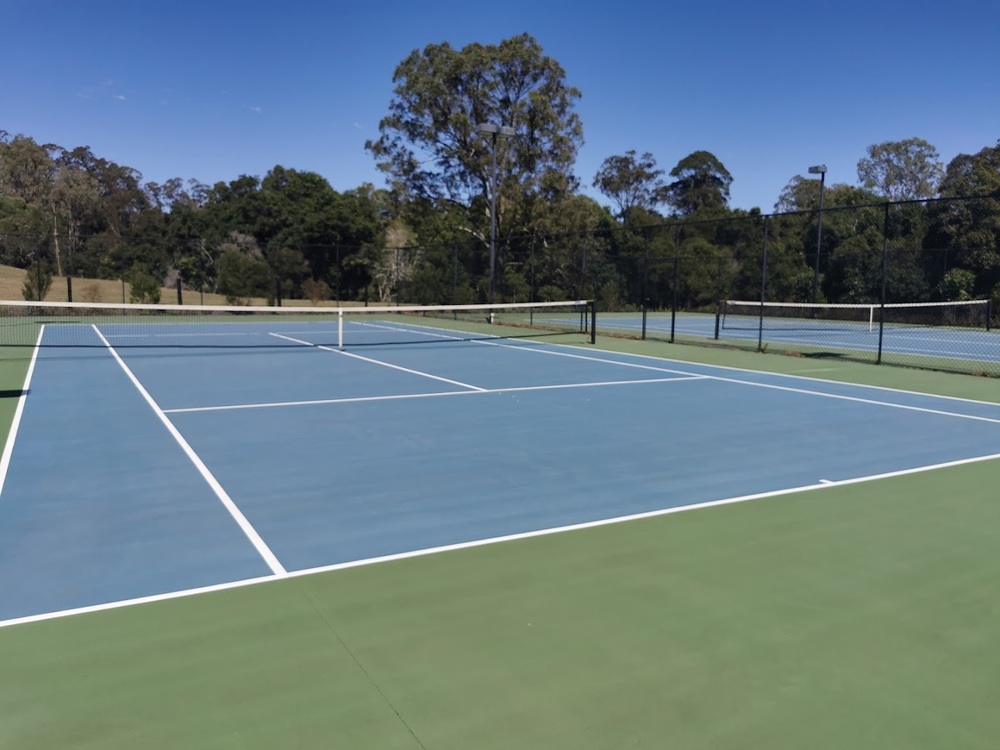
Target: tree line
[{"x": 425, "y": 236}]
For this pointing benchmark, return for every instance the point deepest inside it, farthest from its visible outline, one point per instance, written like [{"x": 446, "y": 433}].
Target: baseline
[{"x": 817, "y": 486}]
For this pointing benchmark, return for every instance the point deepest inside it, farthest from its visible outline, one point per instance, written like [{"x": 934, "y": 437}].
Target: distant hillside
[
  {"x": 93, "y": 290},
  {"x": 105, "y": 290}
]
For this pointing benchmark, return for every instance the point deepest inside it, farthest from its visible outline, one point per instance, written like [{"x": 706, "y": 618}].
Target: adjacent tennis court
[
  {"x": 847, "y": 329},
  {"x": 268, "y": 465}
]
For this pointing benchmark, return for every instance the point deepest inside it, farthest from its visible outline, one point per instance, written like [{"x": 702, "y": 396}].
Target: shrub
[
  {"x": 316, "y": 290},
  {"x": 37, "y": 282},
  {"x": 92, "y": 292},
  {"x": 144, "y": 288},
  {"x": 957, "y": 285},
  {"x": 242, "y": 277}
]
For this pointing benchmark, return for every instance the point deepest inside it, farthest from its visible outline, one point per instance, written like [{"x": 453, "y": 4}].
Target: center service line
[{"x": 251, "y": 533}]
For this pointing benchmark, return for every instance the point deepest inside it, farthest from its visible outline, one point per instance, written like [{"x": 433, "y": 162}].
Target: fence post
[
  {"x": 763, "y": 289},
  {"x": 340, "y": 273},
  {"x": 593, "y": 318},
  {"x": 180, "y": 295},
  {"x": 645, "y": 282},
  {"x": 677, "y": 265},
  {"x": 885, "y": 273},
  {"x": 69, "y": 273},
  {"x": 531, "y": 267}
]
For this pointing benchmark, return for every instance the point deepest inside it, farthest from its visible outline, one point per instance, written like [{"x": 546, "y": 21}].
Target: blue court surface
[
  {"x": 140, "y": 471},
  {"x": 859, "y": 336}
]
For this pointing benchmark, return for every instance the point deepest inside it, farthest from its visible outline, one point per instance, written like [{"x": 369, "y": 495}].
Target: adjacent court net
[
  {"x": 72, "y": 324},
  {"x": 738, "y": 315}
]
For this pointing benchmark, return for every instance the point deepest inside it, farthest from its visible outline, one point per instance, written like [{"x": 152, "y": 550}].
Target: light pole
[
  {"x": 494, "y": 131},
  {"x": 821, "y": 171}
]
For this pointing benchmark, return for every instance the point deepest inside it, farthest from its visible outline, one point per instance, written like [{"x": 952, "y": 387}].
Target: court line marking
[
  {"x": 378, "y": 362},
  {"x": 495, "y": 341},
  {"x": 527, "y": 343},
  {"x": 897, "y": 340},
  {"x": 857, "y": 399},
  {"x": 771, "y": 386},
  {"x": 251, "y": 533},
  {"x": 401, "y": 396},
  {"x": 490, "y": 541},
  {"x": 809, "y": 378},
  {"x": 8, "y": 449}
]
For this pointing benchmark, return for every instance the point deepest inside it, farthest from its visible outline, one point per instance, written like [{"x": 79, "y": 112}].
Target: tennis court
[
  {"x": 145, "y": 470},
  {"x": 927, "y": 342}
]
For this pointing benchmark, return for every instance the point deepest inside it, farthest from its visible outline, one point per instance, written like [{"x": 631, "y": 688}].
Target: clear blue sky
[{"x": 215, "y": 89}]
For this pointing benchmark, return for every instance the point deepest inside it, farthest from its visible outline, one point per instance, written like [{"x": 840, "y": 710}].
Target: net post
[
  {"x": 593, "y": 321},
  {"x": 989, "y": 314},
  {"x": 340, "y": 328},
  {"x": 718, "y": 317}
]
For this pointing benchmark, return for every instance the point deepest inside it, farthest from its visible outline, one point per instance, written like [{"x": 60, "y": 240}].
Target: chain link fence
[{"x": 913, "y": 283}]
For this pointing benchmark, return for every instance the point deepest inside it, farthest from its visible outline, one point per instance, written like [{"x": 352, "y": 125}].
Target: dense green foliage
[{"x": 425, "y": 238}]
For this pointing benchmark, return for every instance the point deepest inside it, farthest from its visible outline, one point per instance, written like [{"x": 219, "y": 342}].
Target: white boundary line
[
  {"x": 378, "y": 362},
  {"x": 401, "y": 396},
  {"x": 528, "y": 343},
  {"x": 856, "y": 399},
  {"x": 8, "y": 449},
  {"x": 251, "y": 533},
  {"x": 793, "y": 376},
  {"x": 496, "y": 341},
  {"x": 751, "y": 383},
  {"x": 821, "y": 485}
]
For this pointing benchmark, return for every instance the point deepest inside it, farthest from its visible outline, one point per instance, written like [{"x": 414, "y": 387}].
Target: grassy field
[
  {"x": 857, "y": 616},
  {"x": 114, "y": 291},
  {"x": 91, "y": 290}
]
